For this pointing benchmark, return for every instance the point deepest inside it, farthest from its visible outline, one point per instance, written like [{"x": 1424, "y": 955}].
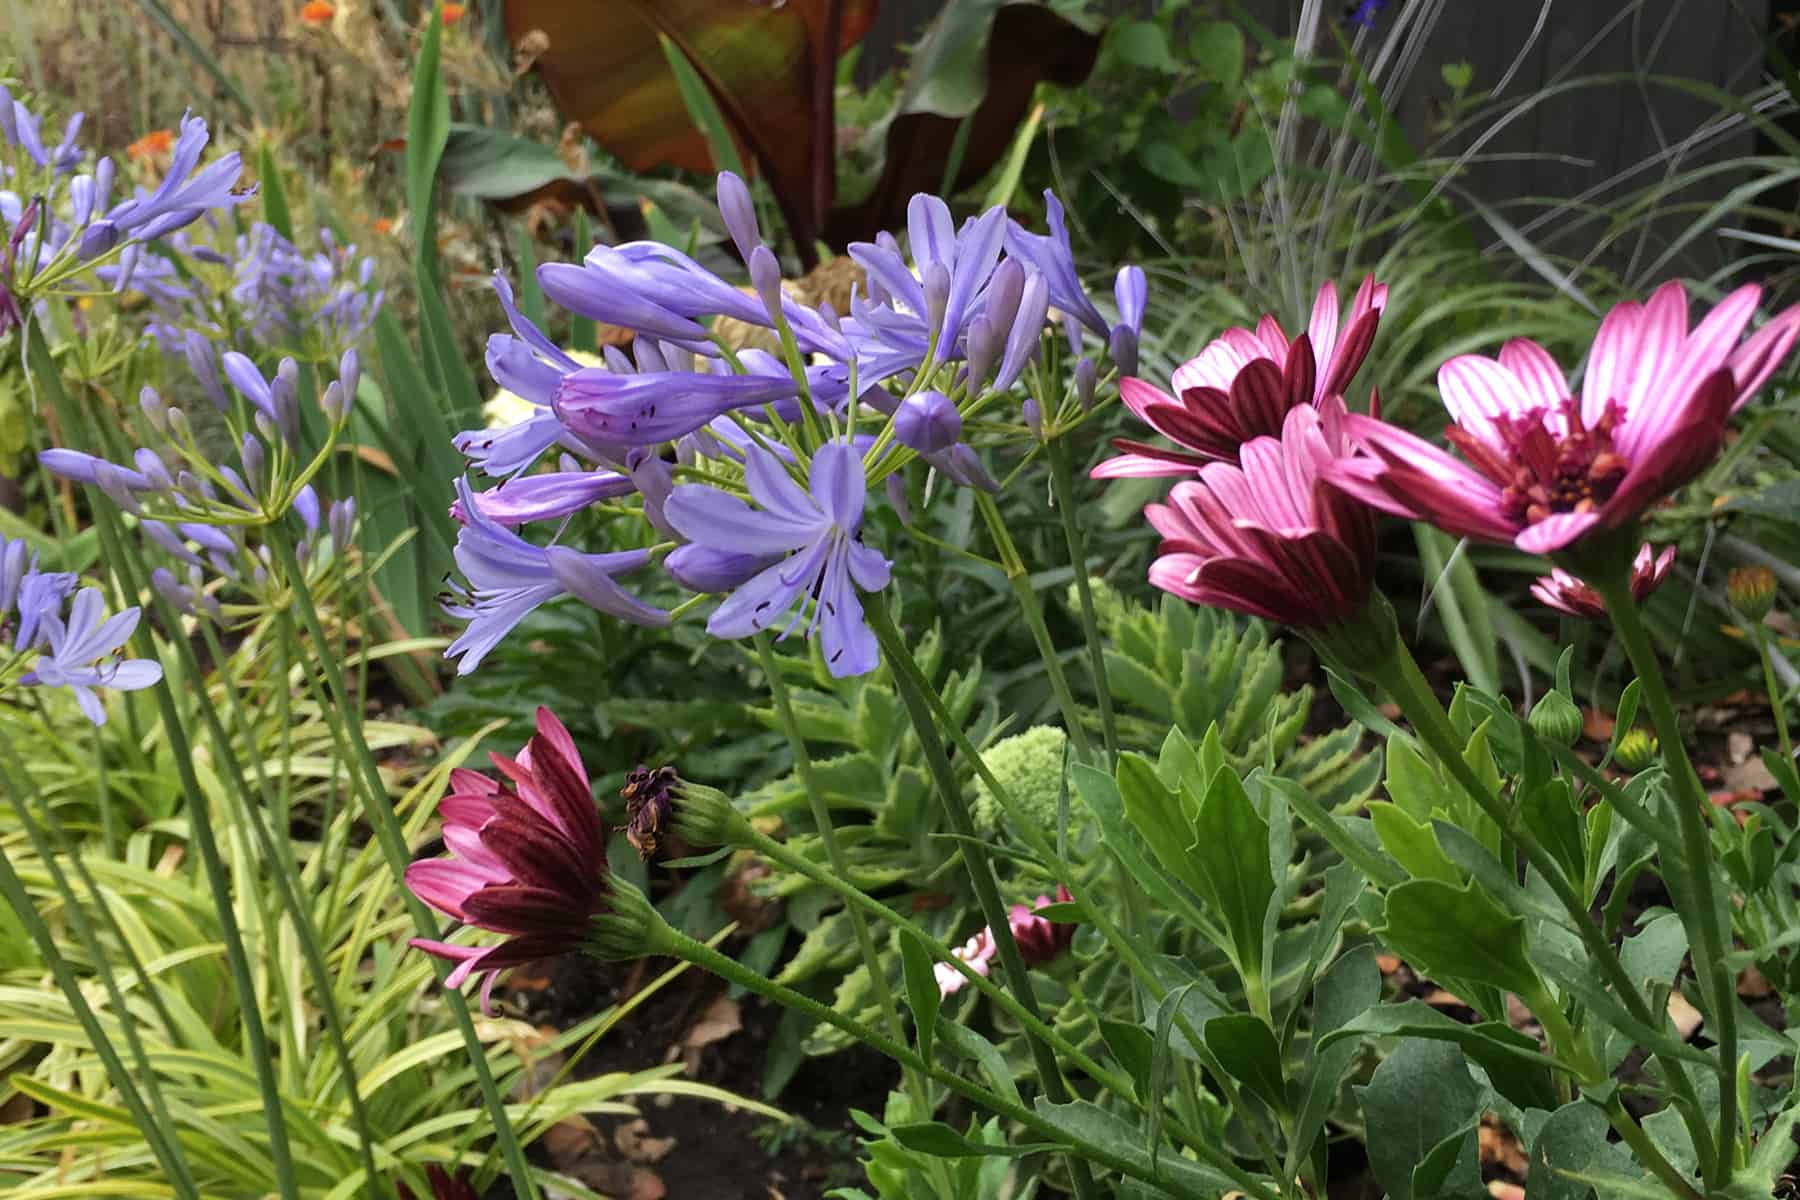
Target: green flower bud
[
  {"x": 1556, "y": 719},
  {"x": 705, "y": 816},
  {"x": 1031, "y": 767},
  {"x": 629, "y": 929},
  {"x": 1752, "y": 591},
  {"x": 1637, "y": 751}
]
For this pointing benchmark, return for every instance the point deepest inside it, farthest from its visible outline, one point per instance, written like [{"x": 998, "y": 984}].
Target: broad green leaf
[
  {"x": 1448, "y": 932},
  {"x": 922, "y": 994},
  {"x": 1348, "y": 989},
  {"x": 1141, "y": 44},
  {"x": 1132, "y": 1048},
  {"x": 1228, "y": 848},
  {"x": 274, "y": 194},
  {"x": 1514, "y": 1064},
  {"x": 1412, "y": 783},
  {"x": 1572, "y": 1140},
  {"x": 938, "y": 1139},
  {"x": 1246, "y": 1048},
  {"x": 1420, "y": 1096},
  {"x": 973, "y": 1046},
  {"x": 492, "y": 164},
  {"x": 1413, "y": 844},
  {"x": 1216, "y": 53}
]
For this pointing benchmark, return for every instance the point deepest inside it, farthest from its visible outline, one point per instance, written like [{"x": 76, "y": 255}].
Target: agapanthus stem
[
  {"x": 1406, "y": 686},
  {"x": 1033, "y": 613},
  {"x": 665, "y": 940},
  {"x": 392, "y": 839},
  {"x": 1703, "y": 899},
  {"x": 981, "y": 870},
  {"x": 1063, "y": 484},
  {"x": 834, "y": 854},
  {"x": 44, "y": 371}
]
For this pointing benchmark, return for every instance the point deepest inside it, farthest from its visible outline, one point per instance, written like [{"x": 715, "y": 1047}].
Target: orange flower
[
  {"x": 154, "y": 144},
  {"x": 454, "y": 13},
  {"x": 383, "y": 226},
  {"x": 317, "y": 12}
]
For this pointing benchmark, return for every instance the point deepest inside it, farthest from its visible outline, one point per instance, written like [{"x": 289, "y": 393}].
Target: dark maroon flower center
[{"x": 1543, "y": 472}]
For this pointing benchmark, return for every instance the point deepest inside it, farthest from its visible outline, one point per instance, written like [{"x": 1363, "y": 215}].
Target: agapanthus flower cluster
[
  {"x": 203, "y": 513},
  {"x": 257, "y": 291},
  {"x": 754, "y": 466},
  {"x": 62, "y": 221},
  {"x": 1039, "y": 939},
  {"x": 59, "y": 633}
]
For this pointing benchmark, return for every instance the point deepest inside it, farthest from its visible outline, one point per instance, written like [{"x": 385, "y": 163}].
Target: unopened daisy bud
[
  {"x": 1034, "y": 418},
  {"x": 155, "y": 411},
  {"x": 985, "y": 343},
  {"x": 341, "y": 521},
  {"x": 199, "y": 354},
  {"x": 1122, "y": 348},
  {"x": 1752, "y": 591},
  {"x": 1637, "y": 751},
  {"x": 650, "y": 807},
  {"x": 705, "y": 816},
  {"x": 1556, "y": 719},
  {"x": 928, "y": 422},
  {"x": 739, "y": 212},
  {"x": 628, "y": 928},
  {"x": 765, "y": 276},
  {"x": 1086, "y": 376}
]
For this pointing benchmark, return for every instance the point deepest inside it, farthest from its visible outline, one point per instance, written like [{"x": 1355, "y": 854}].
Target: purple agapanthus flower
[
  {"x": 547, "y": 496},
  {"x": 184, "y": 193},
  {"x": 79, "y": 655},
  {"x": 509, "y": 577},
  {"x": 1052, "y": 257},
  {"x": 1365, "y": 12},
  {"x": 819, "y": 537}
]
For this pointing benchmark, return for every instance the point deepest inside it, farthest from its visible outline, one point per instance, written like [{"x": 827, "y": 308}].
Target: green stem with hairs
[
  {"x": 981, "y": 869},
  {"x": 1691, "y": 805},
  {"x": 834, "y": 853},
  {"x": 665, "y": 940},
  {"x": 392, "y": 839},
  {"x": 1033, "y": 612},
  {"x": 1773, "y": 687},
  {"x": 1063, "y": 485}
]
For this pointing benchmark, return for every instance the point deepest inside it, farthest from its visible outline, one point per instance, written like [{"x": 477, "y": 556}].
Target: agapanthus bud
[
  {"x": 1122, "y": 348},
  {"x": 985, "y": 343},
  {"x": 936, "y": 278},
  {"x": 1086, "y": 376},
  {"x": 333, "y": 403},
  {"x": 155, "y": 411},
  {"x": 97, "y": 239},
  {"x": 1034, "y": 418},
  {"x": 306, "y": 503},
  {"x": 199, "y": 354},
  {"x": 103, "y": 184},
  {"x": 265, "y": 426},
  {"x": 1131, "y": 291},
  {"x": 178, "y": 595},
  {"x": 928, "y": 422},
  {"x": 1000, "y": 303},
  {"x": 1027, "y": 328},
  {"x": 350, "y": 373},
  {"x": 178, "y": 424},
  {"x": 13, "y": 556},
  {"x": 255, "y": 459},
  {"x": 707, "y": 569},
  {"x": 128, "y": 262},
  {"x": 1071, "y": 327},
  {"x": 341, "y": 521},
  {"x": 1751, "y": 591},
  {"x": 110, "y": 480},
  {"x": 895, "y": 486},
  {"x": 150, "y": 466},
  {"x": 1556, "y": 719},
  {"x": 1637, "y": 751},
  {"x": 739, "y": 212},
  {"x": 81, "y": 199},
  {"x": 283, "y": 393},
  {"x": 765, "y": 276}
]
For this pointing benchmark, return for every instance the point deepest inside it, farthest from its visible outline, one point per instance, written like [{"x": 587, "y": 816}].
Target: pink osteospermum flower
[
  {"x": 1242, "y": 385},
  {"x": 1272, "y": 538},
  {"x": 1040, "y": 939},
  {"x": 1541, "y": 469},
  {"x": 528, "y": 858},
  {"x": 977, "y": 953},
  {"x": 1565, "y": 593}
]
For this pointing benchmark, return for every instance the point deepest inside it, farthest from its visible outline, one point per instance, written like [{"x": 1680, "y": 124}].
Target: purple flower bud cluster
[
  {"x": 75, "y": 644},
  {"x": 788, "y": 442}
]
